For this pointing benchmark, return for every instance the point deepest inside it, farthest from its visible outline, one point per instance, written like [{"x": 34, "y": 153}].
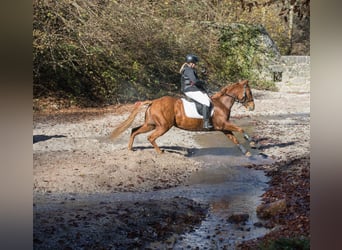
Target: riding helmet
[{"x": 191, "y": 58}]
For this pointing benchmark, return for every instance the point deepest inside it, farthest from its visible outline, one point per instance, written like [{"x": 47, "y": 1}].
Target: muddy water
[
  {"x": 224, "y": 184},
  {"x": 229, "y": 188}
]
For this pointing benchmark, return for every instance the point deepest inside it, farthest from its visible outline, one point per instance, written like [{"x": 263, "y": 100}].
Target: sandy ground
[
  {"x": 75, "y": 155},
  {"x": 72, "y": 155}
]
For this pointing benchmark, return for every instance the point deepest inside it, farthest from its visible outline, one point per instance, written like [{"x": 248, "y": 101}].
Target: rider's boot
[{"x": 206, "y": 118}]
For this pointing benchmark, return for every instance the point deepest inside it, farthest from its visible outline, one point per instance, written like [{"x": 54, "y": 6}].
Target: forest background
[{"x": 104, "y": 52}]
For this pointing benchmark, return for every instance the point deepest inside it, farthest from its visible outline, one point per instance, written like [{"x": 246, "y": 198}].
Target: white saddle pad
[{"x": 191, "y": 111}]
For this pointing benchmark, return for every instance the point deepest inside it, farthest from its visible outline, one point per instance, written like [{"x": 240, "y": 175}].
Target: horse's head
[{"x": 241, "y": 92}]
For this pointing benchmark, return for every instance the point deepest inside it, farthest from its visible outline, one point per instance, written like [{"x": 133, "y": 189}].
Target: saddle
[{"x": 192, "y": 108}]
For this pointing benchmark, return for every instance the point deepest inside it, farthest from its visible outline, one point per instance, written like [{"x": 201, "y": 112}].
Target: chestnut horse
[{"x": 164, "y": 113}]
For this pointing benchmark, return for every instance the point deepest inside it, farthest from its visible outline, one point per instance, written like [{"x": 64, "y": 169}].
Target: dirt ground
[{"x": 72, "y": 156}]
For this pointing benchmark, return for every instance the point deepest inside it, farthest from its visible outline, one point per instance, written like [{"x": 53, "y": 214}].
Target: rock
[
  {"x": 260, "y": 53},
  {"x": 266, "y": 211},
  {"x": 258, "y": 224},
  {"x": 238, "y": 218}
]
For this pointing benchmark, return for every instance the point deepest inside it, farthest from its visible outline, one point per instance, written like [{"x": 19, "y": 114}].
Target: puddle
[
  {"x": 229, "y": 188},
  {"x": 224, "y": 184},
  {"x": 284, "y": 116}
]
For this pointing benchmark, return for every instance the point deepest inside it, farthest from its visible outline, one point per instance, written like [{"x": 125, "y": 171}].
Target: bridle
[{"x": 244, "y": 98}]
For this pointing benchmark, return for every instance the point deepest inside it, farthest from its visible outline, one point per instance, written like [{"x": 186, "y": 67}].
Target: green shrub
[{"x": 244, "y": 56}]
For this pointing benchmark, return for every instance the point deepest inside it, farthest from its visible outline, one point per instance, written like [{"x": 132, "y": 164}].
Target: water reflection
[{"x": 229, "y": 188}]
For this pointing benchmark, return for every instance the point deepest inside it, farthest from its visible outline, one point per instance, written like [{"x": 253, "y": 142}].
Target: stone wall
[{"x": 292, "y": 74}]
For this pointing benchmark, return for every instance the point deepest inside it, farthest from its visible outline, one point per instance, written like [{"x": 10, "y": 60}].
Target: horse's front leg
[
  {"x": 232, "y": 137},
  {"x": 228, "y": 128},
  {"x": 252, "y": 143},
  {"x": 231, "y": 127}
]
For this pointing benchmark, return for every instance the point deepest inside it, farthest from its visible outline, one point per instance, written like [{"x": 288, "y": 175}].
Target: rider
[{"x": 194, "y": 88}]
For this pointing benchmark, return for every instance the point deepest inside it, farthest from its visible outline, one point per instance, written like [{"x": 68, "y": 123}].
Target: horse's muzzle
[{"x": 250, "y": 106}]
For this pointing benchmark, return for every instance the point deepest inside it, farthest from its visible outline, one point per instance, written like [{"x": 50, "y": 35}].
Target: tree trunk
[{"x": 290, "y": 31}]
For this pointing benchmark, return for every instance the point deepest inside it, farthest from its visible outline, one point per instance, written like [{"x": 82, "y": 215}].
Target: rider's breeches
[{"x": 199, "y": 96}]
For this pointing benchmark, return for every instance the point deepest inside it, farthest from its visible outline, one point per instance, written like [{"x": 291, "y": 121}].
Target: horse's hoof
[
  {"x": 253, "y": 144},
  {"x": 248, "y": 154}
]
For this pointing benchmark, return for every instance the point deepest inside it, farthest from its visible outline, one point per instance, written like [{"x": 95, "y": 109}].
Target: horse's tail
[{"x": 123, "y": 126}]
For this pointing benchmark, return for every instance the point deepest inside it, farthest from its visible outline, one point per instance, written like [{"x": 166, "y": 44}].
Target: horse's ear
[{"x": 244, "y": 82}]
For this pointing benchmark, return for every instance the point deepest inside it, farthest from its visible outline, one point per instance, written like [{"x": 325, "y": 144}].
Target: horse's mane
[{"x": 222, "y": 91}]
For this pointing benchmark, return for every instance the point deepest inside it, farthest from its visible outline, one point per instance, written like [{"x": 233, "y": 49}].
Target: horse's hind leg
[
  {"x": 139, "y": 130},
  {"x": 160, "y": 130}
]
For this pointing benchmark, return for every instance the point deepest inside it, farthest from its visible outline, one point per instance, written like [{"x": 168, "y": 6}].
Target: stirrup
[{"x": 207, "y": 125}]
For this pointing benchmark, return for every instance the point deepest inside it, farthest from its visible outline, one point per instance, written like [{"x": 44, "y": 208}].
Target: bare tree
[{"x": 287, "y": 10}]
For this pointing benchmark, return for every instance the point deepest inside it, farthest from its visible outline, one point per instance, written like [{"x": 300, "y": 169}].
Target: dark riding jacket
[{"x": 190, "y": 81}]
